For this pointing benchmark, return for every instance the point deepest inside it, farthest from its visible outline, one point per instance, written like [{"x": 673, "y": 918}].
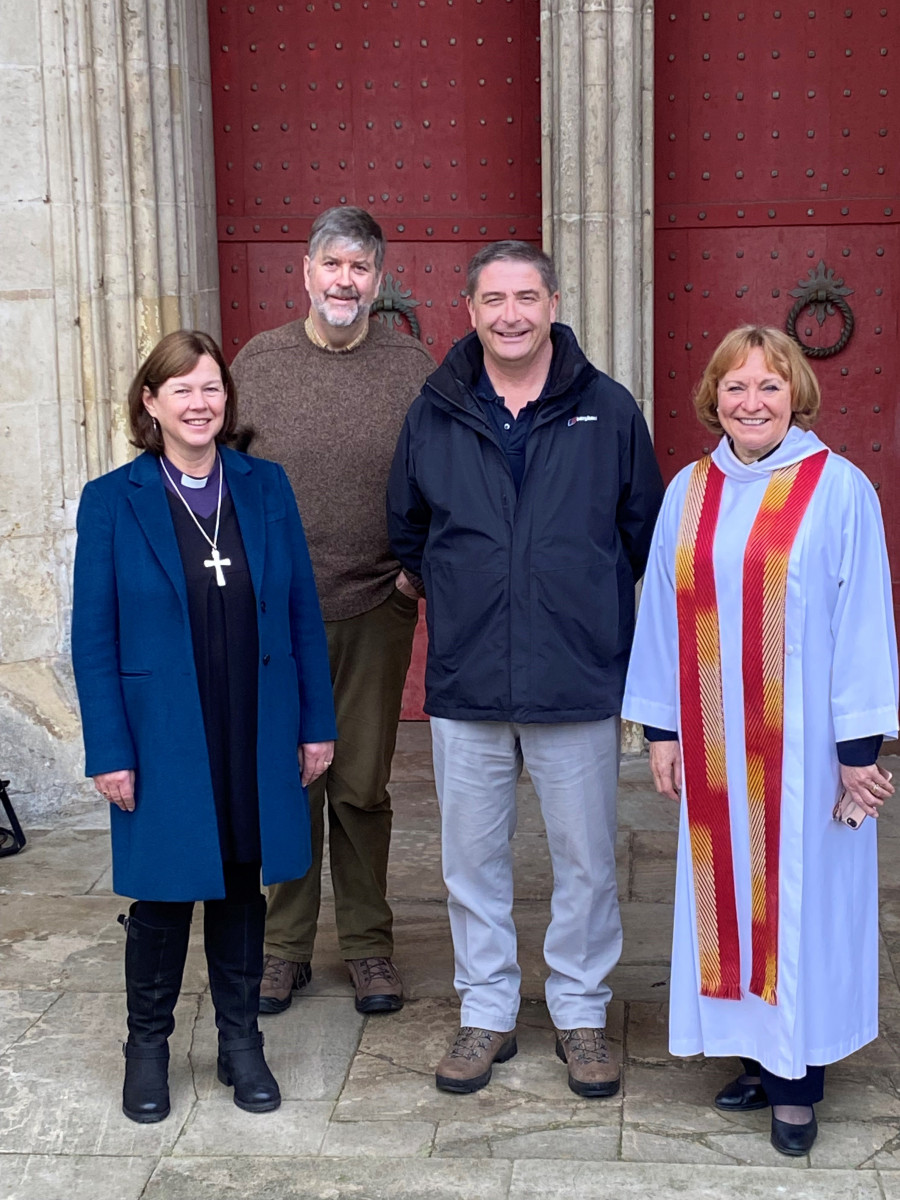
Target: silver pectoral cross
[{"x": 218, "y": 563}]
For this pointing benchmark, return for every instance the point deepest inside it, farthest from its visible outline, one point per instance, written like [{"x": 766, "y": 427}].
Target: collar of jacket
[{"x": 455, "y": 379}]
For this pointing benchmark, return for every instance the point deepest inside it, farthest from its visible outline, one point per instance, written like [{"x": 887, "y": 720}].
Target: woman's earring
[{"x": 155, "y": 425}]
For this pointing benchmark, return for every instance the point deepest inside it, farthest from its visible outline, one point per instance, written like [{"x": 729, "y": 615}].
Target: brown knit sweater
[{"x": 332, "y": 420}]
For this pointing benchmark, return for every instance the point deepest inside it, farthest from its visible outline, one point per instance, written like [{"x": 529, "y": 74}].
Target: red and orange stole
[{"x": 766, "y": 559}]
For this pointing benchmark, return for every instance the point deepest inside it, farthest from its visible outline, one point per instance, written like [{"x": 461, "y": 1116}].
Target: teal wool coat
[{"x": 137, "y": 684}]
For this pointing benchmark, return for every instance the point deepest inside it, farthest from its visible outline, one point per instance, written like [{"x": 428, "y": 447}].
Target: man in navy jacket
[{"x": 523, "y": 492}]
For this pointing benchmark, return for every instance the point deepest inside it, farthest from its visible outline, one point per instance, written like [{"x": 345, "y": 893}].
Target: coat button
[
  {"x": 262, "y": 606},
  {"x": 266, "y": 659}
]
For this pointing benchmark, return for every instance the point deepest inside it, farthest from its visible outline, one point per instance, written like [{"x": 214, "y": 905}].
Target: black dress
[{"x": 226, "y": 654}]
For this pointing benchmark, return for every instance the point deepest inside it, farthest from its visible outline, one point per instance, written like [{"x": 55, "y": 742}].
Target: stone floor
[{"x": 361, "y": 1117}]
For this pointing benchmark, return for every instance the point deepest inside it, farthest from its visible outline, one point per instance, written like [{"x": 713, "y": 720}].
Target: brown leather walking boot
[
  {"x": 280, "y": 980},
  {"x": 592, "y": 1070},
  {"x": 466, "y": 1066},
  {"x": 379, "y": 989}
]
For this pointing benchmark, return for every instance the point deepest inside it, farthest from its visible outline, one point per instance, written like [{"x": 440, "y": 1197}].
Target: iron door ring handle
[
  {"x": 824, "y": 293},
  {"x": 822, "y": 351}
]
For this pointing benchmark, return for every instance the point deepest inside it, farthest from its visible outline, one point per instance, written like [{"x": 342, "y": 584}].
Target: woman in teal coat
[{"x": 205, "y": 692}]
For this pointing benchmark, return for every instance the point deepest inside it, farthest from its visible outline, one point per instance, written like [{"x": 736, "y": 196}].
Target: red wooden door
[
  {"x": 426, "y": 112},
  {"x": 777, "y": 148}
]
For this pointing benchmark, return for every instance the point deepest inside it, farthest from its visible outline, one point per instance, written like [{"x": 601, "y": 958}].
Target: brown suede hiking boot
[
  {"x": 466, "y": 1066},
  {"x": 379, "y": 989},
  {"x": 280, "y": 979},
  {"x": 592, "y": 1071}
]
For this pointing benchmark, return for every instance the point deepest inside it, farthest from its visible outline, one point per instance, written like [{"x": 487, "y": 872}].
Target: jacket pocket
[
  {"x": 575, "y": 630},
  {"x": 468, "y": 630}
]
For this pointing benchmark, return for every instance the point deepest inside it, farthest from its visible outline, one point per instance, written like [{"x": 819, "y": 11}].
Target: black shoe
[
  {"x": 794, "y": 1140},
  {"x": 741, "y": 1097},
  {"x": 145, "y": 1094},
  {"x": 242, "y": 1066}
]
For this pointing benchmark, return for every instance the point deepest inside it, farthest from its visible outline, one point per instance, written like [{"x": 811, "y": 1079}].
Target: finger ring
[{"x": 328, "y": 762}]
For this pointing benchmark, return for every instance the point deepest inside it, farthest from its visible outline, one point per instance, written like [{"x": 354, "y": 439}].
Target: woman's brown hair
[
  {"x": 782, "y": 355},
  {"x": 177, "y": 354}
]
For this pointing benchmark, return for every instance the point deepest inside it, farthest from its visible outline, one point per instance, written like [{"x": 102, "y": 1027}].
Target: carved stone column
[
  {"x": 107, "y": 216},
  {"x": 597, "y": 154},
  {"x": 135, "y": 103}
]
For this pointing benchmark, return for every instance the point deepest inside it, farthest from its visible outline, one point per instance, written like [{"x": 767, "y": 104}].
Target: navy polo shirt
[{"x": 511, "y": 431}]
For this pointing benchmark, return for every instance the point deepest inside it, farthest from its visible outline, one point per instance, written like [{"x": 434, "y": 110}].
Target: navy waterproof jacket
[{"x": 531, "y": 599}]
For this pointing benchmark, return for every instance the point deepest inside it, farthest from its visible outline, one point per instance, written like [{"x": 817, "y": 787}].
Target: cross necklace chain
[{"x": 215, "y": 561}]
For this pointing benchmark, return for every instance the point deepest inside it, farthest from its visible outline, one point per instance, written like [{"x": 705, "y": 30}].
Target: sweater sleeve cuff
[
  {"x": 860, "y": 752},
  {"x": 653, "y": 734}
]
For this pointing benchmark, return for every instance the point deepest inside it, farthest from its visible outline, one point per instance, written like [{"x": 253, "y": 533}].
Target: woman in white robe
[{"x": 839, "y": 657}]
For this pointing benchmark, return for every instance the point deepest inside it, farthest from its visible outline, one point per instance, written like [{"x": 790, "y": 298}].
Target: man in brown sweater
[{"x": 326, "y": 398}]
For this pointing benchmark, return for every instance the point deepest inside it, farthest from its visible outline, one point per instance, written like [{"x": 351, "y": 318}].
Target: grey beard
[{"x": 342, "y": 320}]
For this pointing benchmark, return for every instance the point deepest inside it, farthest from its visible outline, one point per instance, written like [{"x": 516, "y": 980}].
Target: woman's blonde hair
[{"x": 783, "y": 356}]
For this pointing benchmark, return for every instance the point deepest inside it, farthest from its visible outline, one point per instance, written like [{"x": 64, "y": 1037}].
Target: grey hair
[
  {"x": 512, "y": 252},
  {"x": 346, "y": 223}
]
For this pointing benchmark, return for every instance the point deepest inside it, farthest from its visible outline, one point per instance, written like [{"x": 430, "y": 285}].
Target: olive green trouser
[{"x": 369, "y": 659}]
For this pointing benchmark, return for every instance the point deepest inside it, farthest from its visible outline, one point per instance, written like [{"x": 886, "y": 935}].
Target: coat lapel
[
  {"x": 148, "y": 500},
  {"x": 247, "y": 493}
]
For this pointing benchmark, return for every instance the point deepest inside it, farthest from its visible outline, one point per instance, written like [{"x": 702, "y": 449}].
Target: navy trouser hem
[{"x": 806, "y": 1091}]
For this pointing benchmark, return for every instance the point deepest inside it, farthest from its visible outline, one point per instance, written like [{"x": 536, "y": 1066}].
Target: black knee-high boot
[
  {"x": 233, "y": 934},
  {"x": 154, "y": 966}
]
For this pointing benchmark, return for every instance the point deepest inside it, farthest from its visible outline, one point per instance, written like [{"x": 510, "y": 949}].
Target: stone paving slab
[
  {"x": 647, "y": 932},
  {"x": 414, "y": 872},
  {"x": 73, "y": 1177},
  {"x": 640, "y": 1146},
  {"x": 379, "y": 1139},
  {"x": 80, "y": 814},
  {"x": 423, "y": 956},
  {"x": 19, "y": 1010},
  {"x": 355, "y": 1178},
  {"x": 647, "y": 1032},
  {"x": 478, "y": 1135},
  {"x": 104, "y": 883},
  {"x": 61, "y": 1083},
  {"x": 415, "y": 804},
  {"x": 675, "y": 1099},
  {"x": 217, "y": 1128},
  {"x": 309, "y": 1048},
  {"x": 361, "y": 1116},
  {"x": 73, "y": 942},
  {"x": 646, "y": 982},
  {"x": 561, "y": 1137},
  {"x": 843, "y": 1143},
  {"x": 674, "y": 1181},
  {"x": 59, "y": 862},
  {"x": 392, "y": 1075},
  {"x": 653, "y": 867},
  {"x": 413, "y": 766}
]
